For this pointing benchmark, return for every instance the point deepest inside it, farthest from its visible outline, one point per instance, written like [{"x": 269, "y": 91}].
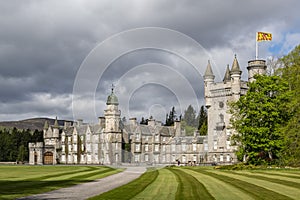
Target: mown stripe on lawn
[
  {"x": 218, "y": 188},
  {"x": 164, "y": 187},
  {"x": 252, "y": 189},
  {"x": 33, "y": 186},
  {"x": 131, "y": 189},
  {"x": 290, "y": 175},
  {"x": 281, "y": 191},
  {"x": 273, "y": 178},
  {"x": 189, "y": 187}
]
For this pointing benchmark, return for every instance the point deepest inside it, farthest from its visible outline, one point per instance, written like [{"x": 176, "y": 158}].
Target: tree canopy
[{"x": 266, "y": 119}]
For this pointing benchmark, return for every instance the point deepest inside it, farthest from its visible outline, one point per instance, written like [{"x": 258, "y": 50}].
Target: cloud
[{"x": 43, "y": 44}]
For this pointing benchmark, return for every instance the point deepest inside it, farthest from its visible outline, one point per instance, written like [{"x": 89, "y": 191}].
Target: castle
[{"x": 110, "y": 142}]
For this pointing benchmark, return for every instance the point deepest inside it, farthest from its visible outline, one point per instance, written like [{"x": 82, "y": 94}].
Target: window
[
  {"x": 183, "y": 159},
  {"x": 117, "y": 146},
  {"x": 146, "y": 147},
  {"x": 173, "y": 158},
  {"x": 164, "y": 148},
  {"x": 156, "y": 159},
  {"x": 194, "y": 147},
  {"x": 205, "y": 147},
  {"x": 215, "y": 157},
  {"x": 137, "y": 136},
  {"x": 173, "y": 147},
  {"x": 156, "y": 138},
  {"x": 228, "y": 158},
  {"x": 146, "y": 158},
  {"x": 137, "y": 147},
  {"x": 96, "y": 148},
  {"x": 164, "y": 158},
  {"x": 164, "y": 139},
  {"x": 228, "y": 132},
  {"x": 215, "y": 145},
  {"x": 156, "y": 147},
  {"x": 88, "y": 147},
  {"x": 183, "y": 147},
  {"x": 228, "y": 144},
  {"x": 136, "y": 158},
  {"x": 195, "y": 158},
  {"x": 63, "y": 148},
  {"x": 221, "y": 158}
]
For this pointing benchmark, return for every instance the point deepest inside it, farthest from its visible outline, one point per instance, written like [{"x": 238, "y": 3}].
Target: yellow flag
[{"x": 261, "y": 36}]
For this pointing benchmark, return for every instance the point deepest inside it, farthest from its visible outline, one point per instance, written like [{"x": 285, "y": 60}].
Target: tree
[
  {"x": 257, "y": 118},
  {"x": 190, "y": 116},
  {"x": 171, "y": 117},
  {"x": 291, "y": 73},
  {"x": 202, "y": 121}
]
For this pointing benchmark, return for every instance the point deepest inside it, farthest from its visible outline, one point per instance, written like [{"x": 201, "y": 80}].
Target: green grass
[
  {"x": 131, "y": 189},
  {"x": 164, "y": 187},
  {"x": 189, "y": 187},
  {"x": 18, "y": 181}
]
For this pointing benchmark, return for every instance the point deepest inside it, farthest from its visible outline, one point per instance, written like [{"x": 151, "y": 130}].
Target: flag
[{"x": 261, "y": 36}]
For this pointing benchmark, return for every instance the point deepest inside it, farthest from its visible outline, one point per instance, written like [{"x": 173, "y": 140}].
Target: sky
[{"x": 60, "y": 58}]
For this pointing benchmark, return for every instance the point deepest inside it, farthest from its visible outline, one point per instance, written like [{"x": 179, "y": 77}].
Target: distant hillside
[{"x": 32, "y": 124}]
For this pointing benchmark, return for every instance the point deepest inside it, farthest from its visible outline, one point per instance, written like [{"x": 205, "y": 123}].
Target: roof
[
  {"x": 112, "y": 99},
  {"x": 227, "y": 75},
  {"x": 208, "y": 72},
  {"x": 235, "y": 66}
]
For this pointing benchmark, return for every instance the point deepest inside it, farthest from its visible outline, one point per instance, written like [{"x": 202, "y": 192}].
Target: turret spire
[
  {"x": 227, "y": 75},
  {"x": 46, "y": 125},
  {"x": 56, "y": 123},
  {"x": 235, "y": 66},
  {"x": 208, "y": 72}
]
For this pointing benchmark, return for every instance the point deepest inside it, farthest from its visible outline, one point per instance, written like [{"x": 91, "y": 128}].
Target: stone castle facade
[{"x": 110, "y": 142}]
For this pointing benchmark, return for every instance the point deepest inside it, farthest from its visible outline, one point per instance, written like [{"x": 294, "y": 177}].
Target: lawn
[
  {"x": 18, "y": 181},
  {"x": 165, "y": 183},
  {"x": 209, "y": 183}
]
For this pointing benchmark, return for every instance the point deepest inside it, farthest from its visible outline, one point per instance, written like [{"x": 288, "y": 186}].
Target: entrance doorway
[{"x": 48, "y": 158}]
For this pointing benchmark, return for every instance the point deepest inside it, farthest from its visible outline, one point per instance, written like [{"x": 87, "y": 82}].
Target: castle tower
[
  {"x": 235, "y": 74},
  {"x": 113, "y": 134},
  {"x": 256, "y": 67},
  {"x": 208, "y": 82}
]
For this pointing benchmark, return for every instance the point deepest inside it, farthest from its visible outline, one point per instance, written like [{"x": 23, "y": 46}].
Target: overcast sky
[{"x": 46, "y": 47}]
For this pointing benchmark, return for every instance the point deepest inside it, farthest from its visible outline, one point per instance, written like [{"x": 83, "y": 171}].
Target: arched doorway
[
  {"x": 48, "y": 158},
  {"x": 35, "y": 158}
]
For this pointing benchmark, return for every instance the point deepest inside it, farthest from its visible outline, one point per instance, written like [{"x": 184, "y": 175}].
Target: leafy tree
[
  {"x": 291, "y": 73},
  {"x": 257, "y": 118}
]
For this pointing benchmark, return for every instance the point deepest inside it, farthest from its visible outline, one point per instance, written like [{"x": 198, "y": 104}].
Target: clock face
[{"x": 221, "y": 104}]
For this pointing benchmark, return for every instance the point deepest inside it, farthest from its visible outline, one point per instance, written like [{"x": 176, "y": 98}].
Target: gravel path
[{"x": 87, "y": 190}]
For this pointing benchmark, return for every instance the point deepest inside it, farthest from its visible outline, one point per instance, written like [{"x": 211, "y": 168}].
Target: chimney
[
  {"x": 79, "y": 122},
  {"x": 132, "y": 121},
  {"x": 101, "y": 121},
  {"x": 177, "y": 127}
]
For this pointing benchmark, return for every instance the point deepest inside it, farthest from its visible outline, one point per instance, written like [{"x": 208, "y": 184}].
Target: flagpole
[{"x": 256, "y": 47}]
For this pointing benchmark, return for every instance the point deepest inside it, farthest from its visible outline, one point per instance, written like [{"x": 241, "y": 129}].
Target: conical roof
[
  {"x": 227, "y": 75},
  {"x": 112, "y": 99},
  {"x": 208, "y": 72},
  {"x": 46, "y": 125},
  {"x": 235, "y": 66},
  {"x": 56, "y": 123}
]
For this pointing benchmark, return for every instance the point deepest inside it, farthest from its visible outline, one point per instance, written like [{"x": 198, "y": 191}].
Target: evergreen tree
[
  {"x": 202, "y": 121},
  {"x": 171, "y": 117},
  {"x": 190, "y": 116}
]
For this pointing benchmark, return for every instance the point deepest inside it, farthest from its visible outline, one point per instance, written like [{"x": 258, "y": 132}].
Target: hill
[{"x": 32, "y": 124}]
